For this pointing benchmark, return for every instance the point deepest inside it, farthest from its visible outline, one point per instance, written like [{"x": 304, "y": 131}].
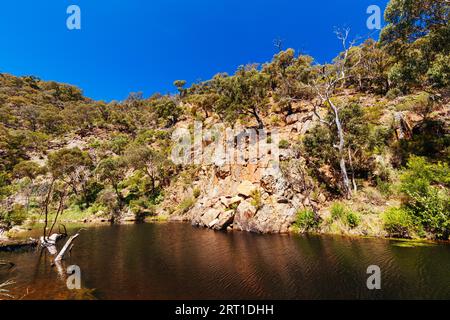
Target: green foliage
[
  {"x": 14, "y": 216},
  {"x": 427, "y": 190},
  {"x": 119, "y": 143},
  {"x": 385, "y": 187},
  {"x": 113, "y": 171},
  {"x": 289, "y": 77},
  {"x": 352, "y": 219},
  {"x": 27, "y": 169},
  {"x": 338, "y": 210},
  {"x": 398, "y": 223},
  {"x": 370, "y": 68},
  {"x": 185, "y": 205},
  {"x": 307, "y": 220},
  {"x": 66, "y": 162},
  {"x": 439, "y": 71},
  {"x": 244, "y": 94},
  {"x": 256, "y": 199},
  {"x": 393, "y": 93},
  {"x": 89, "y": 195},
  {"x": 167, "y": 111},
  {"x": 362, "y": 141},
  {"x": 196, "y": 193},
  {"x": 418, "y": 38},
  {"x": 142, "y": 208},
  {"x": 284, "y": 144},
  {"x": 180, "y": 85}
]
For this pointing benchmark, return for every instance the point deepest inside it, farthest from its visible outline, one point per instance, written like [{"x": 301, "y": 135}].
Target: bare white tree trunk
[
  {"x": 340, "y": 148},
  {"x": 63, "y": 251}
]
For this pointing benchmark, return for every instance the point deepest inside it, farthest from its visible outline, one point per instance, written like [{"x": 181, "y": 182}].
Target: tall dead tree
[{"x": 330, "y": 78}]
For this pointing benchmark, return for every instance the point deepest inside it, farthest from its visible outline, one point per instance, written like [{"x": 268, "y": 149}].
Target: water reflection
[{"x": 176, "y": 261}]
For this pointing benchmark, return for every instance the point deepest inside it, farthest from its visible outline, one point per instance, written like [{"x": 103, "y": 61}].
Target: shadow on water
[{"x": 177, "y": 261}]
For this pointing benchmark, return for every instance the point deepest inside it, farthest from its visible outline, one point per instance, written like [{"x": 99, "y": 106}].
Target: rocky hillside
[{"x": 357, "y": 146}]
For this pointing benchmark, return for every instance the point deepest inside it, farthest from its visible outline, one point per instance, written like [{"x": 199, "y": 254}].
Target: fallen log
[
  {"x": 68, "y": 245},
  {"x": 4, "y": 292},
  {"x": 12, "y": 245},
  {"x": 50, "y": 242}
]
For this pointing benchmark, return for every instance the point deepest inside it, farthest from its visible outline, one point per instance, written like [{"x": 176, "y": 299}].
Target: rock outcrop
[{"x": 250, "y": 194}]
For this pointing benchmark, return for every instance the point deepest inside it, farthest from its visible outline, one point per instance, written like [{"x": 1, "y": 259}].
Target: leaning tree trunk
[
  {"x": 340, "y": 147},
  {"x": 258, "y": 119}
]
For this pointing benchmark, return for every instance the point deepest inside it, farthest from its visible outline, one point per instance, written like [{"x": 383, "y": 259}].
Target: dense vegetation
[{"x": 65, "y": 153}]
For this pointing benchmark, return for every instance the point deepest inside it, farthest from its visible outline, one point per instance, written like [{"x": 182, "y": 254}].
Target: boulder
[
  {"x": 276, "y": 218},
  {"x": 244, "y": 213},
  {"x": 209, "y": 216},
  {"x": 229, "y": 201},
  {"x": 293, "y": 118},
  {"x": 273, "y": 182},
  {"x": 246, "y": 188},
  {"x": 224, "y": 221}
]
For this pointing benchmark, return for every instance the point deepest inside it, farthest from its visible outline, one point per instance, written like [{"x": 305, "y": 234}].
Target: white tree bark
[{"x": 67, "y": 245}]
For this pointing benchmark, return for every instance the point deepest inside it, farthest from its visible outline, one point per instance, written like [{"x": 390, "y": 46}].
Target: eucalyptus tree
[{"x": 330, "y": 78}]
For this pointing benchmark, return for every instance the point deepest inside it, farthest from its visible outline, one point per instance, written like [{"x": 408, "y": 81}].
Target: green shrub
[
  {"x": 16, "y": 216},
  {"x": 196, "y": 193},
  {"x": 397, "y": 222},
  {"x": 338, "y": 211},
  {"x": 186, "y": 205},
  {"x": 353, "y": 219},
  {"x": 256, "y": 199},
  {"x": 284, "y": 144},
  {"x": 141, "y": 208},
  {"x": 427, "y": 195},
  {"x": 307, "y": 220},
  {"x": 385, "y": 187},
  {"x": 393, "y": 93},
  {"x": 439, "y": 72}
]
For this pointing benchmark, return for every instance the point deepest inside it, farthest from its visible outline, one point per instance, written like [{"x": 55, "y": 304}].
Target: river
[{"x": 177, "y": 261}]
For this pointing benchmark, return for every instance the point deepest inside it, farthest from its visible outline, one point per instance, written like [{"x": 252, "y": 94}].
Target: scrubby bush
[
  {"x": 141, "y": 208},
  {"x": 352, "y": 219},
  {"x": 338, "y": 211},
  {"x": 307, "y": 220},
  {"x": 186, "y": 205},
  {"x": 427, "y": 195},
  {"x": 284, "y": 144},
  {"x": 439, "y": 72},
  {"x": 397, "y": 222},
  {"x": 15, "y": 216},
  {"x": 256, "y": 199},
  {"x": 393, "y": 93},
  {"x": 196, "y": 193}
]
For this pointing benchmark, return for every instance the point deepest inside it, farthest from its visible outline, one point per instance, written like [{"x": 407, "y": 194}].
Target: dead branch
[{"x": 61, "y": 254}]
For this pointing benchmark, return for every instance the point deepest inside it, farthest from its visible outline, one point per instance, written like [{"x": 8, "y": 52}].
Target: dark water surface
[{"x": 177, "y": 261}]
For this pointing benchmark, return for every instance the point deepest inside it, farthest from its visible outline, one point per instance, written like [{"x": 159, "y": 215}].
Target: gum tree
[{"x": 330, "y": 78}]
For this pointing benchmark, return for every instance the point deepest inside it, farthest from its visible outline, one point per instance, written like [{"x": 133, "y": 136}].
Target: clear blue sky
[{"x": 144, "y": 45}]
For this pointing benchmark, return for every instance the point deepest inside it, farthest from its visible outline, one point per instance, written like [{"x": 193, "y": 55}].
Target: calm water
[{"x": 177, "y": 261}]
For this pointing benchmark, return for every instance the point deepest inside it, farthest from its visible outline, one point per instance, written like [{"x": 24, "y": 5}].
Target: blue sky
[{"x": 144, "y": 45}]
